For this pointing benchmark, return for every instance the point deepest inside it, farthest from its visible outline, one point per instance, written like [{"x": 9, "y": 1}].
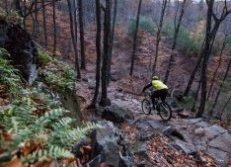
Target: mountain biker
[{"x": 160, "y": 89}]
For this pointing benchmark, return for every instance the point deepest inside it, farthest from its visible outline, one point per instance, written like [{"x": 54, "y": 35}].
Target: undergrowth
[
  {"x": 9, "y": 77},
  {"x": 35, "y": 127},
  {"x": 59, "y": 76}
]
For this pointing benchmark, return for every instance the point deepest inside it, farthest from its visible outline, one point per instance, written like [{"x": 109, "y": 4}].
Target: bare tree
[
  {"x": 44, "y": 24},
  {"x": 218, "y": 66},
  {"x": 135, "y": 38},
  {"x": 75, "y": 21},
  {"x": 158, "y": 34},
  {"x": 220, "y": 89},
  {"x": 176, "y": 32},
  {"x": 107, "y": 44},
  {"x": 226, "y": 104},
  {"x": 112, "y": 36},
  {"x": 81, "y": 30},
  {"x": 211, "y": 31},
  {"x": 78, "y": 74},
  {"x": 54, "y": 28},
  {"x": 98, "y": 51}
]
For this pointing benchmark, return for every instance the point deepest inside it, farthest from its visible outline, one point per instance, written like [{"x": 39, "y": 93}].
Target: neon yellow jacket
[{"x": 158, "y": 85}]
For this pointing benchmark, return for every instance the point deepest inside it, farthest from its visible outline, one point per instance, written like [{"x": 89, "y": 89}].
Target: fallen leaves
[
  {"x": 15, "y": 162},
  {"x": 162, "y": 154}
]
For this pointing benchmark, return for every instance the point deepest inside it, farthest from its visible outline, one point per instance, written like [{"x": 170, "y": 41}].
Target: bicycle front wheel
[
  {"x": 146, "y": 106},
  {"x": 165, "y": 111}
]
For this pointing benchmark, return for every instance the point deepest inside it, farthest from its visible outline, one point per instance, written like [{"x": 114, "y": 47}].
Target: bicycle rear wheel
[
  {"x": 165, "y": 111},
  {"x": 146, "y": 106}
]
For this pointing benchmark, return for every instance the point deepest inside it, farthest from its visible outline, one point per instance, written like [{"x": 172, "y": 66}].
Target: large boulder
[
  {"x": 21, "y": 47},
  {"x": 116, "y": 114},
  {"x": 108, "y": 142}
]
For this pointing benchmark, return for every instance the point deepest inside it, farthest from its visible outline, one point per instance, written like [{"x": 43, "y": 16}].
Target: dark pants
[{"x": 162, "y": 94}]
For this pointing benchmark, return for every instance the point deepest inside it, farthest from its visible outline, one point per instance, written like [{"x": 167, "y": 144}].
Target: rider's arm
[{"x": 147, "y": 86}]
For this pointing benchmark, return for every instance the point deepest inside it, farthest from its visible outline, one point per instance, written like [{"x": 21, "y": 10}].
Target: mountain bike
[{"x": 162, "y": 108}]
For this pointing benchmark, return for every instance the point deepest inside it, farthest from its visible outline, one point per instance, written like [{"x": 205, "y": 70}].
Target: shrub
[
  {"x": 39, "y": 127},
  {"x": 59, "y": 76},
  {"x": 43, "y": 57},
  {"x": 11, "y": 17},
  {"x": 145, "y": 24},
  {"x": 9, "y": 77},
  {"x": 187, "y": 43}
]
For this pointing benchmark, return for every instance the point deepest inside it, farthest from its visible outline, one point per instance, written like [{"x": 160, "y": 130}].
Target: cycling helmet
[{"x": 155, "y": 77}]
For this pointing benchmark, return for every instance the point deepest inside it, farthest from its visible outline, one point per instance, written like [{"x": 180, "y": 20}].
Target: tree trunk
[
  {"x": 44, "y": 23},
  {"x": 107, "y": 44},
  {"x": 219, "y": 90},
  {"x": 218, "y": 66},
  {"x": 6, "y": 5},
  {"x": 78, "y": 76},
  {"x": 158, "y": 35},
  {"x": 75, "y": 21},
  {"x": 176, "y": 32},
  {"x": 112, "y": 37},
  {"x": 98, "y": 51},
  {"x": 205, "y": 54},
  {"x": 193, "y": 109},
  {"x": 135, "y": 38},
  {"x": 81, "y": 30},
  {"x": 55, "y": 28},
  {"x": 226, "y": 104},
  {"x": 36, "y": 22}
]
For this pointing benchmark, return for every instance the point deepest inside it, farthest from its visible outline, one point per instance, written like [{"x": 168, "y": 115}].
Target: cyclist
[{"x": 160, "y": 89}]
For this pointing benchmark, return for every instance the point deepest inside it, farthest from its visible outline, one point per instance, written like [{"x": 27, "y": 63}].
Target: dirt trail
[{"x": 190, "y": 135}]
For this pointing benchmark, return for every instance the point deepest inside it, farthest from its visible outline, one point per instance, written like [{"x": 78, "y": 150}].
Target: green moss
[{"x": 43, "y": 57}]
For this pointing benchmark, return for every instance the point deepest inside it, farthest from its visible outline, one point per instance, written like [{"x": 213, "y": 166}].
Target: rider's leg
[
  {"x": 153, "y": 99},
  {"x": 163, "y": 94}
]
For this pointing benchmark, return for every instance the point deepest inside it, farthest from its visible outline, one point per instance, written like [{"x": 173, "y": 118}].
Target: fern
[
  {"x": 53, "y": 130},
  {"x": 9, "y": 75},
  {"x": 53, "y": 152}
]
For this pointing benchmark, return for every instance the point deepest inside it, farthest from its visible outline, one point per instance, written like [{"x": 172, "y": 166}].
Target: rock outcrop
[{"x": 18, "y": 42}]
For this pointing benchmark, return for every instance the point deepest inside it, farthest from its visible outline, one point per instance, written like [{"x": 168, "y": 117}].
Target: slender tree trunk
[
  {"x": 81, "y": 30},
  {"x": 55, "y": 28},
  {"x": 219, "y": 90},
  {"x": 74, "y": 42},
  {"x": 189, "y": 85},
  {"x": 24, "y": 18},
  {"x": 107, "y": 44},
  {"x": 44, "y": 23},
  {"x": 218, "y": 66},
  {"x": 210, "y": 38},
  {"x": 98, "y": 50},
  {"x": 112, "y": 37},
  {"x": 176, "y": 32},
  {"x": 135, "y": 38},
  {"x": 226, "y": 104},
  {"x": 36, "y": 22},
  {"x": 75, "y": 21},
  {"x": 158, "y": 35},
  {"x": 6, "y": 5},
  {"x": 205, "y": 59},
  {"x": 193, "y": 109}
]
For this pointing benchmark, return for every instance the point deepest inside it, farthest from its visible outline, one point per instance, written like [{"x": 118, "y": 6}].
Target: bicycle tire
[
  {"x": 165, "y": 111},
  {"x": 146, "y": 106}
]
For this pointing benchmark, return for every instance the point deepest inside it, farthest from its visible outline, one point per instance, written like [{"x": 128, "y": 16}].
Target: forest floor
[{"x": 201, "y": 143}]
